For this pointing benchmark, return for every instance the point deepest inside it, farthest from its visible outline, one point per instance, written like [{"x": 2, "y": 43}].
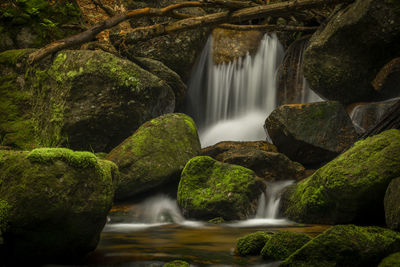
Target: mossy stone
[
  {"x": 253, "y": 243},
  {"x": 45, "y": 105},
  {"x": 346, "y": 246},
  {"x": 176, "y": 263},
  {"x": 155, "y": 154},
  {"x": 210, "y": 189},
  {"x": 350, "y": 188},
  {"x": 58, "y": 200},
  {"x": 391, "y": 260},
  {"x": 282, "y": 244}
]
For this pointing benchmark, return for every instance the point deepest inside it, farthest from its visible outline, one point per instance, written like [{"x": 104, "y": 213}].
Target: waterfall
[
  {"x": 231, "y": 101},
  {"x": 268, "y": 205}
]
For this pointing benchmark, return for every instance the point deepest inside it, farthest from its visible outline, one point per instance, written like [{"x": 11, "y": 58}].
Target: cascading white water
[
  {"x": 154, "y": 211},
  {"x": 160, "y": 209},
  {"x": 238, "y": 95},
  {"x": 268, "y": 205}
]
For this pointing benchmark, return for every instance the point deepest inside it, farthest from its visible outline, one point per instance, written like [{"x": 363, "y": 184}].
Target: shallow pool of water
[{"x": 126, "y": 241}]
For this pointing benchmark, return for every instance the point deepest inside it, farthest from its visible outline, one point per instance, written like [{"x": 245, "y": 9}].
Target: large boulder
[
  {"x": 57, "y": 201},
  {"x": 392, "y": 205},
  {"x": 88, "y": 100},
  {"x": 311, "y": 133},
  {"x": 350, "y": 188},
  {"x": 345, "y": 55},
  {"x": 155, "y": 154},
  {"x": 210, "y": 189},
  {"x": 346, "y": 246},
  {"x": 178, "y": 51},
  {"x": 282, "y": 244},
  {"x": 35, "y": 23}
]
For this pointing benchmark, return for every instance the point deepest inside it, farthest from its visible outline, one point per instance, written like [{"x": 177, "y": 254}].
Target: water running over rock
[
  {"x": 236, "y": 97},
  {"x": 230, "y": 101}
]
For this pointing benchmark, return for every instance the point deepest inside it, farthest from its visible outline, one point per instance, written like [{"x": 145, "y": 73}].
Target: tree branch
[
  {"x": 144, "y": 33},
  {"x": 278, "y": 9},
  {"x": 281, "y": 28}
]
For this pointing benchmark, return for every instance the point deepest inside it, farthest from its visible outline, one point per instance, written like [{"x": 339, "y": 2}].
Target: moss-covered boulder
[
  {"x": 177, "y": 263},
  {"x": 34, "y": 23},
  {"x": 253, "y": 243},
  {"x": 210, "y": 189},
  {"x": 392, "y": 205},
  {"x": 155, "y": 154},
  {"x": 178, "y": 51},
  {"x": 311, "y": 133},
  {"x": 346, "y": 245},
  {"x": 339, "y": 64},
  {"x": 391, "y": 260},
  {"x": 58, "y": 202},
  {"x": 282, "y": 244},
  {"x": 88, "y": 100},
  {"x": 350, "y": 188}
]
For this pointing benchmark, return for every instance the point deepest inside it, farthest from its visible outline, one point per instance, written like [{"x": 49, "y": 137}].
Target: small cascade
[
  {"x": 160, "y": 209},
  {"x": 366, "y": 115},
  {"x": 268, "y": 206},
  {"x": 292, "y": 86},
  {"x": 152, "y": 212},
  {"x": 236, "y": 97}
]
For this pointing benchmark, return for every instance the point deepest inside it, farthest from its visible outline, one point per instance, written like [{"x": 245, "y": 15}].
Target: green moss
[
  {"x": 155, "y": 154},
  {"x": 76, "y": 159},
  {"x": 11, "y": 57},
  {"x": 177, "y": 263},
  {"x": 76, "y": 190},
  {"x": 252, "y": 244},
  {"x": 346, "y": 245},
  {"x": 357, "y": 180},
  {"x": 211, "y": 189},
  {"x": 390, "y": 261},
  {"x": 282, "y": 244},
  {"x": 217, "y": 220},
  {"x": 4, "y": 210}
]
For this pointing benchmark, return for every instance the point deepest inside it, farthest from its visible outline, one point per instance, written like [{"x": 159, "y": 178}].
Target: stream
[{"x": 153, "y": 232}]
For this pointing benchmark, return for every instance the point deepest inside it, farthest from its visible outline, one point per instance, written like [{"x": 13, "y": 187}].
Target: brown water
[{"x": 143, "y": 244}]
